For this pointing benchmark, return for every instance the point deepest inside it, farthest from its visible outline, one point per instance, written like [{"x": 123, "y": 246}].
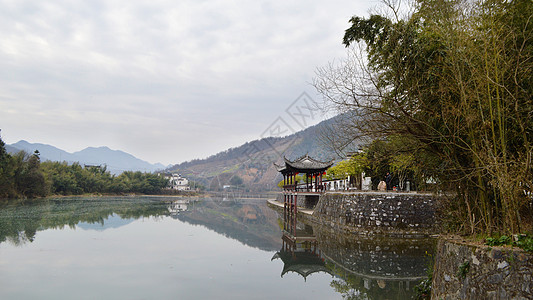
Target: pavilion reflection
[
  {"x": 368, "y": 267},
  {"x": 299, "y": 251}
]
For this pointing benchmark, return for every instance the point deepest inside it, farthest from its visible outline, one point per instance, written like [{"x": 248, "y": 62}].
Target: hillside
[{"x": 253, "y": 161}]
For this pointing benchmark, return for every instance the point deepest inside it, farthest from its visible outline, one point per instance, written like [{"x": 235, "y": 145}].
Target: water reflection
[
  {"x": 20, "y": 222},
  {"x": 174, "y": 233},
  {"x": 362, "y": 267},
  {"x": 177, "y": 206},
  {"x": 299, "y": 251},
  {"x": 247, "y": 220}
]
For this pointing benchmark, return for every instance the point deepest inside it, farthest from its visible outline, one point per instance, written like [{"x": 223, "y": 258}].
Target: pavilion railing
[{"x": 303, "y": 188}]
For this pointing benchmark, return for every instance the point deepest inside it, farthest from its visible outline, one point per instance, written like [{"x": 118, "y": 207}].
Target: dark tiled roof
[
  {"x": 303, "y": 263},
  {"x": 279, "y": 168},
  {"x": 308, "y": 163},
  {"x": 304, "y": 164}
]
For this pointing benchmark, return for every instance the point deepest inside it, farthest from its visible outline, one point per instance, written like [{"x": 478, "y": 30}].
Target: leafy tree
[
  {"x": 7, "y": 184},
  {"x": 236, "y": 180},
  {"x": 452, "y": 80},
  {"x": 299, "y": 179},
  {"x": 353, "y": 166}
]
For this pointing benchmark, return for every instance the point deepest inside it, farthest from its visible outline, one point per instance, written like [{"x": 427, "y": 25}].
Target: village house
[{"x": 177, "y": 182}]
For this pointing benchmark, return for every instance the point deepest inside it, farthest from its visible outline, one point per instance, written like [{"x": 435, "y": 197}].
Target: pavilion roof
[
  {"x": 303, "y": 164},
  {"x": 303, "y": 263}
]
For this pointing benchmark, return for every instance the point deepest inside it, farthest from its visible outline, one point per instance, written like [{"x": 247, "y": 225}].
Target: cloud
[{"x": 117, "y": 73}]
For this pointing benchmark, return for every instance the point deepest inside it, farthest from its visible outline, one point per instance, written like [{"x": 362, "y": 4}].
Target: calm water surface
[{"x": 178, "y": 248}]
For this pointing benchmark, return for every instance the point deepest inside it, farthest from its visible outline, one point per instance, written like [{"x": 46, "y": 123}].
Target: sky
[{"x": 166, "y": 81}]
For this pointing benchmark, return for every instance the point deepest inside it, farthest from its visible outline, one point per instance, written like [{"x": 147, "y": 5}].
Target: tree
[
  {"x": 236, "y": 181},
  {"x": 452, "y": 80},
  {"x": 28, "y": 177},
  {"x": 7, "y": 184},
  {"x": 353, "y": 166}
]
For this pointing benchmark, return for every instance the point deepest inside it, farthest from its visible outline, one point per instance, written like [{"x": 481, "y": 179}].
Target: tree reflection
[{"x": 20, "y": 222}]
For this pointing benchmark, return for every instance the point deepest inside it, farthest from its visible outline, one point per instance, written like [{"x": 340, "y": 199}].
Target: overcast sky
[{"x": 166, "y": 81}]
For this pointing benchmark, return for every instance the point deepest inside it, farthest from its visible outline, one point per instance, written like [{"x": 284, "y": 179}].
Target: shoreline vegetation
[
  {"x": 108, "y": 195},
  {"x": 444, "y": 88},
  {"x": 24, "y": 176}
]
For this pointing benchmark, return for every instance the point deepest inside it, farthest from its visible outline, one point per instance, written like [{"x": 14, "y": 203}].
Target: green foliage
[
  {"x": 21, "y": 175},
  {"x": 299, "y": 179},
  {"x": 522, "y": 241},
  {"x": 397, "y": 156},
  {"x": 452, "y": 82},
  {"x": 24, "y": 176},
  {"x": 236, "y": 181},
  {"x": 502, "y": 240},
  {"x": 463, "y": 270},
  {"x": 353, "y": 166}
]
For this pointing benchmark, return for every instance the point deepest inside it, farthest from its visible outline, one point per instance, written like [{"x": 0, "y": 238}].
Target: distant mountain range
[
  {"x": 116, "y": 161},
  {"x": 253, "y": 161}
]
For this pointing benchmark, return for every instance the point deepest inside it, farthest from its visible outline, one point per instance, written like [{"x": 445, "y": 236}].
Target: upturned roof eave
[{"x": 307, "y": 164}]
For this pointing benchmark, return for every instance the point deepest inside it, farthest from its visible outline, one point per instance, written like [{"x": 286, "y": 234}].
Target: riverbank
[
  {"x": 464, "y": 269},
  {"x": 371, "y": 213},
  {"x": 6, "y": 201}
]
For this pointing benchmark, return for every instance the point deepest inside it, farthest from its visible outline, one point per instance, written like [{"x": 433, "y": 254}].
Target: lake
[{"x": 193, "y": 248}]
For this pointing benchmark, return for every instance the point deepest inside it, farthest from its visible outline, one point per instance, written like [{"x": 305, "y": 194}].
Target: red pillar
[{"x": 295, "y": 205}]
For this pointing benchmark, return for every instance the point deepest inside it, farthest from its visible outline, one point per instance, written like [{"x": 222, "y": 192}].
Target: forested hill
[{"x": 250, "y": 166}]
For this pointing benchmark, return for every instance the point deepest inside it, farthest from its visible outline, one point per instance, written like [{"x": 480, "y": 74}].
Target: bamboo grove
[{"x": 453, "y": 81}]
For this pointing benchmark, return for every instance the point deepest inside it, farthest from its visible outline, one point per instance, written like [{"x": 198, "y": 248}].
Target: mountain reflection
[
  {"x": 362, "y": 267},
  {"x": 20, "y": 222},
  {"x": 249, "y": 221}
]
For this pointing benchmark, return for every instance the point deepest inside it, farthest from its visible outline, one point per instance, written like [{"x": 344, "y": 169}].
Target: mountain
[
  {"x": 47, "y": 152},
  {"x": 116, "y": 161},
  {"x": 252, "y": 162}
]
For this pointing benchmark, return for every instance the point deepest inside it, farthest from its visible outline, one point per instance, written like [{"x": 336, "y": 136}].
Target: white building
[{"x": 178, "y": 183}]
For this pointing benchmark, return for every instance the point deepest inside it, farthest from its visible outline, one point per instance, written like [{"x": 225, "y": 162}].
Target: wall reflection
[{"x": 362, "y": 267}]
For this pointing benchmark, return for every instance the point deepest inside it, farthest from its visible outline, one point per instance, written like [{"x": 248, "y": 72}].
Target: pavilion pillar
[
  {"x": 293, "y": 180},
  {"x": 285, "y": 196},
  {"x": 290, "y": 179},
  {"x": 295, "y": 205}
]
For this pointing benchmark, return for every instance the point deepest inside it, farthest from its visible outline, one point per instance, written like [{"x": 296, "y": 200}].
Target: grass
[{"x": 522, "y": 241}]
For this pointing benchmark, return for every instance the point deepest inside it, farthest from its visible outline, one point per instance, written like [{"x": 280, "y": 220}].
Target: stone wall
[
  {"x": 378, "y": 213},
  {"x": 388, "y": 258},
  {"x": 464, "y": 271}
]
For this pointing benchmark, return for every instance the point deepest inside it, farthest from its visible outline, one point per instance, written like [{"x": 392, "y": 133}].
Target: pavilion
[
  {"x": 310, "y": 189},
  {"x": 313, "y": 169}
]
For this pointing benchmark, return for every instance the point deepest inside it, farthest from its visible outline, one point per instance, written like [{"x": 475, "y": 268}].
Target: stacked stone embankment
[
  {"x": 378, "y": 213},
  {"x": 467, "y": 271}
]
